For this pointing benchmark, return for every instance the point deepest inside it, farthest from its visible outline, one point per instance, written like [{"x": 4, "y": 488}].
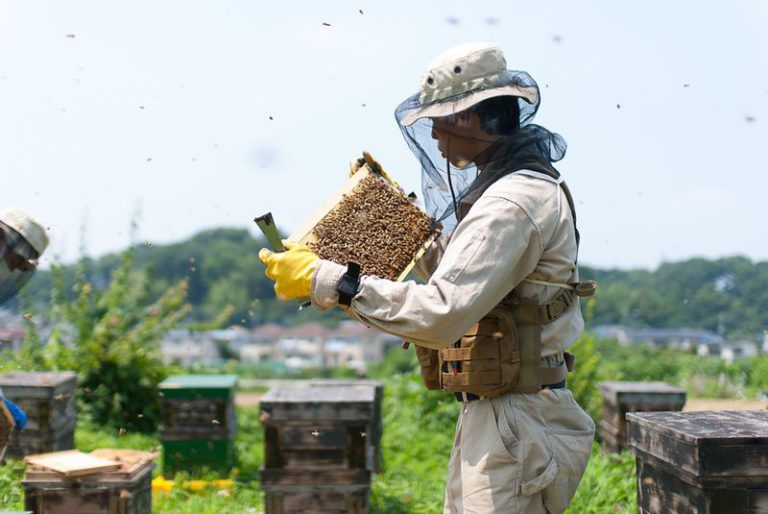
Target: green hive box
[{"x": 199, "y": 423}]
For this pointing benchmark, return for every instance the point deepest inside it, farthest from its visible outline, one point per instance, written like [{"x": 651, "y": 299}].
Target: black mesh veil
[
  {"x": 18, "y": 262},
  {"x": 517, "y": 144}
]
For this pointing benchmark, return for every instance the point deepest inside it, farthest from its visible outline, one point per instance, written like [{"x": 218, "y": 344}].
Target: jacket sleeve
[{"x": 494, "y": 248}]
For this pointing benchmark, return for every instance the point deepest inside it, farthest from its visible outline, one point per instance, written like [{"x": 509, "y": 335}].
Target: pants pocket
[
  {"x": 540, "y": 482},
  {"x": 506, "y": 428},
  {"x": 571, "y": 448}
]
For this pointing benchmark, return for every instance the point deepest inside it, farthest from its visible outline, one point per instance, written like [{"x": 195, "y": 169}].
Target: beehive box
[
  {"x": 48, "y": 399},
  {"x": 316, "y": 448},
  {"x": 371, "y": 222},
  {"x": 326, "y": 499},
  {"x": 619, "y": 398},
  {"x": 375, "y": 428},
  {"x": 701, "y": 462},
  {"x": 199, "y": 422},
  {"x": 126, "y": 490}
]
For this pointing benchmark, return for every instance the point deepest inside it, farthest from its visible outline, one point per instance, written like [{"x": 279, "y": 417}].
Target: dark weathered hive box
[
  {"x": 127, "y": 490},
  {"x": 619, "y": 398},
  {"x": 376, "y": 427},
  {"x": 326, "y": 499},
  {"x": 48, "y": 398},
  {"x": 199, "y": 422},
  {"x": 701, "y": 462},
  {"x": 316, "y": 448}
]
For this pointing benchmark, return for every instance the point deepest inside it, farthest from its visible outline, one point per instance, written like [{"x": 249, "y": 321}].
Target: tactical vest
[{"x": 501, "y": 353}]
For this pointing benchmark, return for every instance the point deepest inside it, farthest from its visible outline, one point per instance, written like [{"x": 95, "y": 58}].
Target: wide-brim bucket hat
[
  {"x": 27, "y": 227},
  {"x": 464, "y": 76}
]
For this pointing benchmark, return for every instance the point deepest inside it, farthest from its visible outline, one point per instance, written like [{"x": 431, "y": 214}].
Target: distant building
[
  {"x": 709, "y": 349},
  {"x": 728, "y": 350},
  {"x": 11, "y": 338},
  {"x": 233, "y": 338},
  {"x": 681, "y": 338},
  {"x": 738, "y": 350},
  {"x": 370, "y": 341},
  {"x": 187, "y": 348},
  {"x": 309, "y": 345},
  {"x": 351, "y": 344},
  {"x": 268, "y": 333},
  {"x": 706, "y": 343}
]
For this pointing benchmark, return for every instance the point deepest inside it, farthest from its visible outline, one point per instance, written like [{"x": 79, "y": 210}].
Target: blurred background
[{"x": 147, "y": 135}]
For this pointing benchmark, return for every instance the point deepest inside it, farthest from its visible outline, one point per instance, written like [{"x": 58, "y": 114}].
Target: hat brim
[
  {"x": 448, "y": 107},
  {"x": 27, "y": 227}
]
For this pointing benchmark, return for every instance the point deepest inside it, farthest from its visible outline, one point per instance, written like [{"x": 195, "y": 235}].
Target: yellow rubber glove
[{"x": 291, "y": 270}]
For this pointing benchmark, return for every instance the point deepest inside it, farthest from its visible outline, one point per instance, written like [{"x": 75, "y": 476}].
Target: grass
[{"x": 608, "y": 485}]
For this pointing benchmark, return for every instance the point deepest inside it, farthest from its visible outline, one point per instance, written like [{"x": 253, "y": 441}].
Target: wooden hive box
[
  {"x": 316, "y": 448},
  {"x": 199, "y": 422},
  {"x": 371, "y": 222},
  {"x": 619, "y": 398},
  {"x": 125, "y": 490},
  {"x": 376, "y": 427},
  {"x": 701, "y": 462},
  {"x": 48, "y": 399}
]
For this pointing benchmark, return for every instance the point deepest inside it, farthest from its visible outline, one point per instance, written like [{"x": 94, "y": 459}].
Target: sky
[{"x": 189, "y": 115}]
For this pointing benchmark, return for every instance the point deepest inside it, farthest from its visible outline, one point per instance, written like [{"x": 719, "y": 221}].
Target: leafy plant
[
  {"x": 590, "y": 369},
  {"x": 11, "y": 492},
  {"x": 111, "y": 337},
  {"x": 608, "y": 485}
]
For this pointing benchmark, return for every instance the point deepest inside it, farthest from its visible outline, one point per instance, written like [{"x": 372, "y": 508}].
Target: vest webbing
[{"x": 478, "y": 367}]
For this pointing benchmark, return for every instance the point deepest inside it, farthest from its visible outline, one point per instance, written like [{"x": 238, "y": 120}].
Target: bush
[
  {"x": 111, "y": 337},
  {"x": 589, "y": 370},
  {"x": 11, "y": 492},
  {"x": 758, "y": 374}
]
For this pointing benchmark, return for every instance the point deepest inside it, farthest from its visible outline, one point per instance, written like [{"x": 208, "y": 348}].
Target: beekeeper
[
  {"x": 22, "y": 241},
  {"x": 500, "y": 304}
]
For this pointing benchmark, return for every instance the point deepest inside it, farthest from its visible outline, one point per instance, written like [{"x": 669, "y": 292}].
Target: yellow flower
[
  {"x": 195, "y": 485},
  {"x": 160, "y": 484},
  {"x": 223, "y": 484}
]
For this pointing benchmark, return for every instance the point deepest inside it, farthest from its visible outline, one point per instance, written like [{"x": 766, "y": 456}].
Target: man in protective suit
[
  {"x": 500, "y": 304},
  {"x": 22, "y": 241}
]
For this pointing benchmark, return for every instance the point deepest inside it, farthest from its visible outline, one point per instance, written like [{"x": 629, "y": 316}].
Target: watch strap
[{"x": 349, "y": 283}]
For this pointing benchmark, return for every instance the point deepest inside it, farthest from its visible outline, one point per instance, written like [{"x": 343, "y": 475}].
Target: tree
[{"x": 111, "y": 337}]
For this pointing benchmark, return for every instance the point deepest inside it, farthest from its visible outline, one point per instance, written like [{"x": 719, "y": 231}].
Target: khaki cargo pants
[{"x": 519, "y": 453}]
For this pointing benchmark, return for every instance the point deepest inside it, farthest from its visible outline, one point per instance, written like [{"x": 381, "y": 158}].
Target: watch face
[{"x": 353, "y": 269}]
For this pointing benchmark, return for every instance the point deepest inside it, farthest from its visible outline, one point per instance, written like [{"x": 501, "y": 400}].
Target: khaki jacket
[{"x": 520, "y": 228}]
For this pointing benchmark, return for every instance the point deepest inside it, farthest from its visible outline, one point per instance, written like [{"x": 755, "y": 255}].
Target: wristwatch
[{"x": 349, "y": 283}]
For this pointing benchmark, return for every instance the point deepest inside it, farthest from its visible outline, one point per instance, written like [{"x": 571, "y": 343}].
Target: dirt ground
[
  {"x": 693, "y": 404},
  {"x": 247, "y": 399}
]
